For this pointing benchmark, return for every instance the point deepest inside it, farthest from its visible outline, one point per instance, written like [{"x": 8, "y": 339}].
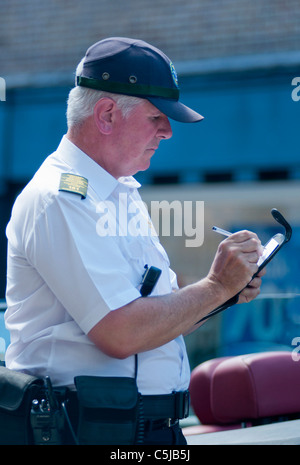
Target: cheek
[
  {"x": 138, "y": 145},
  {"x": 135, "y": 140}
]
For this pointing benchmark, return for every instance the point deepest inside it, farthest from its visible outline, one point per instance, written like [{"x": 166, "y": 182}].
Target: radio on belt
[{"x": 149, "y": 280}]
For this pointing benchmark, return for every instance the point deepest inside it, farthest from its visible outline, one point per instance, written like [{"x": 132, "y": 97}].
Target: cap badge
[{"x": 174, "y": 74}]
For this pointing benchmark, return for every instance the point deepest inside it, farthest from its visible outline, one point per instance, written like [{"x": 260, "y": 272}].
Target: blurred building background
[{"x": 236, "y": 61}]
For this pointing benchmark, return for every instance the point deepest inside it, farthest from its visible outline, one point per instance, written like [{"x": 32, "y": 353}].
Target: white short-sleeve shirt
[{"x": 72, "y": 260}]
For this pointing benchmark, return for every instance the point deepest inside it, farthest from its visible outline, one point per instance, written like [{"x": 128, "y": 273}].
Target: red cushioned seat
[
  {"x": 255, "y": 386},
  {"x": 229, "y": 391},
  {"x": 200, "y": 390}
]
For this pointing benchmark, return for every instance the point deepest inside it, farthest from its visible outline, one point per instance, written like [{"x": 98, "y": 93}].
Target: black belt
[
  {"x": 160, "y": 411},
  {"x": 167, "y": 406}
]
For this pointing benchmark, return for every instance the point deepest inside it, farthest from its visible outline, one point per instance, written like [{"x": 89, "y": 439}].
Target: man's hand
[{"x": 235, "y": 263}]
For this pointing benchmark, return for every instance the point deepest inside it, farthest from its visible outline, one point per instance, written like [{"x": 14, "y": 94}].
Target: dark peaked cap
[{"x": 134, "y": 67}]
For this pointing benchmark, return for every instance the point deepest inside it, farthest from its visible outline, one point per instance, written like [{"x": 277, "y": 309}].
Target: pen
[{"x": 221, "y": 231}]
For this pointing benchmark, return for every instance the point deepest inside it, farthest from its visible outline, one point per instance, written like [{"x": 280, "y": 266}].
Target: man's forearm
[{"x": 147, "y": 323}]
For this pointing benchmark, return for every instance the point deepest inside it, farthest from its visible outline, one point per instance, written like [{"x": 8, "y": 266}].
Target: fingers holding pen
[
  {"x": 244, "y": 242},
  {"x": 247, "y": 239},
  {"x": 236, "y": 260},
  {"x": 247, "y": 243}
]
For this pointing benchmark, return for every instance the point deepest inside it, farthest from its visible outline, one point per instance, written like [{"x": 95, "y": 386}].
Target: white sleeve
[{"x": 87, "y": 273}]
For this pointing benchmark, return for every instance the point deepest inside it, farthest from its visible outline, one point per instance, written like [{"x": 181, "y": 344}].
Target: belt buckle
[{"x": 171, "y": 422}]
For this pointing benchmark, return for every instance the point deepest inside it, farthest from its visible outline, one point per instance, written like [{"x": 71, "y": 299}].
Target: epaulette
[{"x": 74, "y": 184}]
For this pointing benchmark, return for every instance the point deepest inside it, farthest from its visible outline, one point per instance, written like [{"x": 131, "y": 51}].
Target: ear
[{"x": 104, "y": 112}]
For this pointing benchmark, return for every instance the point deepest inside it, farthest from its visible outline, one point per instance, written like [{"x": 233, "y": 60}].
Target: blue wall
[
  {"x": 33, "y": 121},
  {"x": 251, "y": 126}
]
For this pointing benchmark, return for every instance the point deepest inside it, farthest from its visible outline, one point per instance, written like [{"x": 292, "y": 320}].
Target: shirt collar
[{"x": 100, "y": 180}]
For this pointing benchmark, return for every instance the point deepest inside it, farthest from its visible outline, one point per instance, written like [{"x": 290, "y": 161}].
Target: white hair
[{"x": 81, "y": 102}]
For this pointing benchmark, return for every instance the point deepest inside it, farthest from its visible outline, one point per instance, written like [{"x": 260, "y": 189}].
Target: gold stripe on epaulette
[{"x": 74, "y": 184}]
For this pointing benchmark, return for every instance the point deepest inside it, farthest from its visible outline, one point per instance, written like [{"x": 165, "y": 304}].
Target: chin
[{"x": 144, "y": 168}]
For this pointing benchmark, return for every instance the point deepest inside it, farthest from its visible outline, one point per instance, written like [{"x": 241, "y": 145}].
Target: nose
[{"x": 165, "y": 130}]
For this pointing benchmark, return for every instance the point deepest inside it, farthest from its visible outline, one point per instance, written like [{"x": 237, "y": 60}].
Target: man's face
[{"x": 137, "y": 137}]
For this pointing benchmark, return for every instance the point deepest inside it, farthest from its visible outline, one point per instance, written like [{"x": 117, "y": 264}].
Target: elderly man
[{"x": 73, "y": 288}]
